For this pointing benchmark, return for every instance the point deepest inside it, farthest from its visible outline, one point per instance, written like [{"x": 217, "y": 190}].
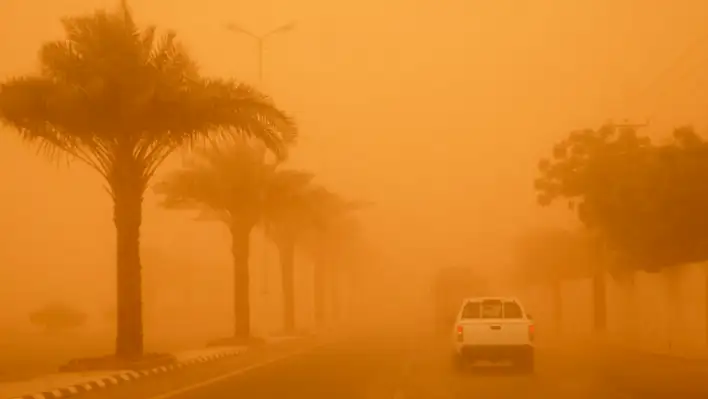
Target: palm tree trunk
[
  {"x": 286, "y": 251},
  {"x": 240, "y": 245},
  {"x": 128, "y": 197},
  {"x": 557, "y": 305},
  {"x": 705, "y": 271},
  {"x": 320, "y": 290}
]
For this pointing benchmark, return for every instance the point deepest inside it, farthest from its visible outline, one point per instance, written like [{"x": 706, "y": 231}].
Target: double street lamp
[{"x": 261, "y": 40}]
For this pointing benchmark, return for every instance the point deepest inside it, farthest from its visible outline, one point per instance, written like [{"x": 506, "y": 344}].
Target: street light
[{"x": 260, "y": 40}]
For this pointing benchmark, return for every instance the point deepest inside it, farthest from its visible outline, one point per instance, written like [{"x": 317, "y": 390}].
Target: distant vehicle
[
  {"x": 494, "y": 329},
  {"x": 451, "y": 286}
]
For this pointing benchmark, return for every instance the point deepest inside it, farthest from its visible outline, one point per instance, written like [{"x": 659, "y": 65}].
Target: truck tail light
[
  {"x": 460, "y": 333},
  {"x": 532, "y": 332}
]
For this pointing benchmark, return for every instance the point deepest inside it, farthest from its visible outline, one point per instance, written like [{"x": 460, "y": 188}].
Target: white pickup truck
[{"x": 494, "y": 329}]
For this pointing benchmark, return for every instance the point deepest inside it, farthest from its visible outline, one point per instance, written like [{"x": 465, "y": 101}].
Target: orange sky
[{"x": 436, "y": 110}]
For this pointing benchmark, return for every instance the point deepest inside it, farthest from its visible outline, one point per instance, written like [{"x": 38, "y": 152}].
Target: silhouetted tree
[
  {"x": 289, "y": 208},
  {"x": 234, "y": 185},
  {"x": 646, "y": 203},
  {"x": 121, "y": 99},
  {"x": 328, "y": 242},
  {"x": 601, "y": 173},
  {"x": 343, "y": 243},
  {"x": 295, "y": 206}
]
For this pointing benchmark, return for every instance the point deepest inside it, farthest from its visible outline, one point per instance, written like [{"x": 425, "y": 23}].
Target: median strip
[{"x": 124, "y": 377}]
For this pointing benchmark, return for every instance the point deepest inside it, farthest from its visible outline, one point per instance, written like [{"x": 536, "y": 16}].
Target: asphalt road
[
  {"x": 393, "y": 369},
  {"x": 373, "y": 367}
]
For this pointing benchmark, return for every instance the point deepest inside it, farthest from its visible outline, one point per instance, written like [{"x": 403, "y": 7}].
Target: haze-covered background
[{"x": 436, "y": 111}]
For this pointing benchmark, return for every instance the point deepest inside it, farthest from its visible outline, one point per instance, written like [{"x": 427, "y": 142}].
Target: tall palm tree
[
  {"x": 333, "y": 228},
  {"x": 345, "y": 247},
  {"x": 289, "y": 208},
  {"x": 121, "y": 99},
  {"x": 234, "y": 185}
]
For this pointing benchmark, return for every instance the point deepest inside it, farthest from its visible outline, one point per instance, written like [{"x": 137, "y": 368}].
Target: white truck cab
[{"x": 494, "y": 329}]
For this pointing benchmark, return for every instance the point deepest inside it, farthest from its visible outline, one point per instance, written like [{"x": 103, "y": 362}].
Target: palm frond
[
  {"x": 311, "y": 214},
  {"x": 109, "y": 86},
  {"x": 225, "y": 180},
  {"x": 221, "y": 106},
  {"x": 288, "y": 205},
  {"x": 35, "y": 107}
]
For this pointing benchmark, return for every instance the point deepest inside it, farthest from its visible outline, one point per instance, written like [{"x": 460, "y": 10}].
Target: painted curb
[{"x": 125, "y": 377}]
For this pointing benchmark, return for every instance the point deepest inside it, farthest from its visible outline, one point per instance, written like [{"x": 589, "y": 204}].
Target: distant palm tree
[
  {"x": 289, "y": 209},
  {"x": 335, "y": 230},
  {"x": 234, "y": 185},
  {"x": 121, "y": 100}
]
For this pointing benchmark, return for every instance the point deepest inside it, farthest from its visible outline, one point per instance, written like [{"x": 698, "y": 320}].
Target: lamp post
[{"x": 261, "y": 40}]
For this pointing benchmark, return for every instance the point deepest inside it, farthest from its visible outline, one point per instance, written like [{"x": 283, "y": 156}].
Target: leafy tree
[
  {"x": 602, "y": 174},
  {"x": 56, "y": 317},
  {"x": 121, "y": 99},
  {"x": 674, "y": 232},
  {"x": 234, "y": 185},
  {"x": 645, "y": 202}
]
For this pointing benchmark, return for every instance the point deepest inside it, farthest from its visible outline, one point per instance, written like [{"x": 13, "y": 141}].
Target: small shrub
[{"x": 58, "y": 317}]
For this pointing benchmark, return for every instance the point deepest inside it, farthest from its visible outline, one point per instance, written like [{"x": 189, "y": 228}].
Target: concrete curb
[{"x": 126, "y": 377}]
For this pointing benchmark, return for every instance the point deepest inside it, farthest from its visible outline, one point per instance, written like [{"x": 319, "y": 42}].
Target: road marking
[{"x": 240, "y": 371}]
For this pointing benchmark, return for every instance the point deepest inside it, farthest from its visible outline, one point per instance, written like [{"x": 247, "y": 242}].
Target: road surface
[{"x": 373, "y": 367}]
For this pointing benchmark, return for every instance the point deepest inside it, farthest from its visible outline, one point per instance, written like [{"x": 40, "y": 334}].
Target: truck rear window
[
  {"x": 471, "y": 311},
  {"x": 512, "y": 310},
  {"x": 492, "y": 309}
]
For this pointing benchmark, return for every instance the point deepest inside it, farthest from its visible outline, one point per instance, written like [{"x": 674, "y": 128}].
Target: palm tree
[
  {"x": 289, "y": 208},
  {"x": 346, "y": 247},
  {"x": 333, "y": 230},
  {"x": 234, "y": 185},
  {"x": 121, "y": 100}
]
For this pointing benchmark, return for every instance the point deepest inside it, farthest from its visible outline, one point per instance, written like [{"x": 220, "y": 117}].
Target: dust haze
[{"x": 436, "y": 113}]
